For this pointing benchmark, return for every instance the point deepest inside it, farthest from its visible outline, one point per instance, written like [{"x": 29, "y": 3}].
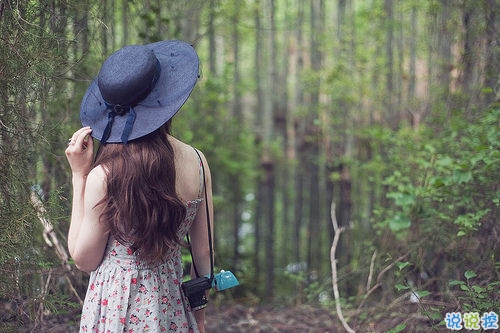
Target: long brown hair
[{"x": 142, "y": 208}]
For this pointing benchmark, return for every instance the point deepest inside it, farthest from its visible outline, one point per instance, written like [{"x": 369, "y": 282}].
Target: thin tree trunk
[
  {"x": 212, "y": 54},
  {"x": 412, "y": 107},
  {"x": 112, "y": 25},
  {"x": 264, "y": 122},
  {"x": 125, "y": 25},
  {"x": 389, "y": 63},
  {"x": 104, "y": 27},
  {"x": 399, "y": 75},
  {"x": 296, "y": 135},
  {"x": 313, "y": 135},
  {"x": 238, "y": 116},
  {"x": 281, "y": 117},
  {"x": 444, "y": 49},
  {"x": 267, "y": 160},
  {"x": 492, "y": 66}
]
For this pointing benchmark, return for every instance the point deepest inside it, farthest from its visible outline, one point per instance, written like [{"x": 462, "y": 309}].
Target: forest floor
[
  {"x": 308, "y": 319},
  {"x": 229, "y": 319},
  {"x": 262, "y": 319},
  {"x": 269, "y": 319}
]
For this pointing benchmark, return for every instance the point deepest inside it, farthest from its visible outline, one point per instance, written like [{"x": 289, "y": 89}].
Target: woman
[{"x": 134, "y": 204}]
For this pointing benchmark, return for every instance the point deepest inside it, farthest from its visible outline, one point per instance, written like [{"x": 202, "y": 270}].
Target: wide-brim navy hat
[{"x": 138, "y": 89}]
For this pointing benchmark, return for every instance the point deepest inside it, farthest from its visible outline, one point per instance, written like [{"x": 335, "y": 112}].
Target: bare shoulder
[
  {"x": 98, "y": 173},
  {"x": 178, "y": 145},
  {"x": 187, "y": 168},
  {"x": 185, "y": 152},
  {"x": 96, "y": 180}
]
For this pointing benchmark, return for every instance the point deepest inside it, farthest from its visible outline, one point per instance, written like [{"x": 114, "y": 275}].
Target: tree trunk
[
  {"x": 312, "y": 142},
  {"x": 264, "y": 121},
  {"x": 281, "y": 112},
  {"x": 104, "y": 28},
  {"x": 238, "y": 116},
  {"x": 444, "y": 49},
  {"x": 492, "y": 66},
  {"x": 212, "y": 54},
  {"x": 267, "y": 160},
  {"x": 125, "y": 24},
  {"x": 389, "y": 63},
  {"x": 294, "y": 151},
  {"x": 412, "y": 105}
]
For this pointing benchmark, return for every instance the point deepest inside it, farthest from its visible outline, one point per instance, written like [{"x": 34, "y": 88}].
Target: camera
[
  {"x": 195, "y": 290},
  {"x": 225, "y": 280}
]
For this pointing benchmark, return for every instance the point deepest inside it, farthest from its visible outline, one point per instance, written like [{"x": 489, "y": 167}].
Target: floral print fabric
[{"x": 125, "y": 295}]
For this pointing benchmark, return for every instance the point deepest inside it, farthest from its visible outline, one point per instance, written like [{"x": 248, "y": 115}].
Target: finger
[
  {"x": 80, "y": 131},
  {"x": 88, "y": 143},
  {"x": 74, "y": 137},
  {"x": 81, "y": 136},
  {"x": 75, "y": 143}
]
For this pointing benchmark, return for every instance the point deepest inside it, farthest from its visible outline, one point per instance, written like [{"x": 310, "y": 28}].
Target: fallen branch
[
  {"x": 379, "y": 279},
  {"x": 333, "y": 260},
  {"x": 50, "y": 237},
  {"x": 372, "y": 264}
]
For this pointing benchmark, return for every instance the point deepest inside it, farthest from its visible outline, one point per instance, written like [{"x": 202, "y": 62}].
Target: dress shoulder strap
[{"x": 204, "y": 189}]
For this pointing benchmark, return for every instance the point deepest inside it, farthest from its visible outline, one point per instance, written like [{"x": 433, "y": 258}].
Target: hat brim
[{"x": 179, "y": 73}]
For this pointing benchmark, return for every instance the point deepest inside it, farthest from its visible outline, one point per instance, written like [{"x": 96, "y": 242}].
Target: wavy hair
[{"x": 141, "y": 207}]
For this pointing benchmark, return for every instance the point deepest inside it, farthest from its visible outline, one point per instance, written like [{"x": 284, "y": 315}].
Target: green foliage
[
  {"x": 446, "y": 179},
  {"x": 476, "y": 295},
  {"x": 441, "y": 187},
  {"x": 314, "y": 289},
  {"x": 32, "y": 58},
  {"x": 19, "y": 135},
  {"x": 398, "y": 328}
]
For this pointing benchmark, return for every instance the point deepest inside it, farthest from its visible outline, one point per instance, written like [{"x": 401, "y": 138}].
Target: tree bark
[
  {"x": 237, "y": 114},
  {"x": 492, "y": 67},
  {"x": 267, "y": 160},
  {"x": 312, "y": 138},
  {"x": 125, "y": 25},
  {"x": 389, "y": 63},
  {"x": 259, "y": 213}
]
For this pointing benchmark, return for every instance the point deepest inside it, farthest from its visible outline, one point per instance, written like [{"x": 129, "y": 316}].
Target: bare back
[{"x": 187, "y": 168}]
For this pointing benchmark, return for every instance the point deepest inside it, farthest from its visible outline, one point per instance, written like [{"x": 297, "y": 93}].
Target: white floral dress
[{"x": 124, "y": 295}]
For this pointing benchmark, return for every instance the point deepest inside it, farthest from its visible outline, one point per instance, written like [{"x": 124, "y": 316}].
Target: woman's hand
[{"x": 80, "y": 152}]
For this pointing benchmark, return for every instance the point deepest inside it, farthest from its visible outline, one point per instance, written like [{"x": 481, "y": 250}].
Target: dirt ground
[
  {"x": 310, "y": 319},
  {"x": 227, "y": 319},
  {"x": 266, "y": 319}
]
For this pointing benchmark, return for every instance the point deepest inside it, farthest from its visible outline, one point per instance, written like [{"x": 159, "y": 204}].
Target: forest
[{"x": 354, "y": 147}]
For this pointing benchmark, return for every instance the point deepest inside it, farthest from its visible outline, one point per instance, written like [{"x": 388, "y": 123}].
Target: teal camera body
[{"x": 224, "y": 280}]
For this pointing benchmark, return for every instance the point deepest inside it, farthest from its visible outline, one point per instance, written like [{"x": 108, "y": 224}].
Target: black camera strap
[{"x": 208, "y": 227}]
